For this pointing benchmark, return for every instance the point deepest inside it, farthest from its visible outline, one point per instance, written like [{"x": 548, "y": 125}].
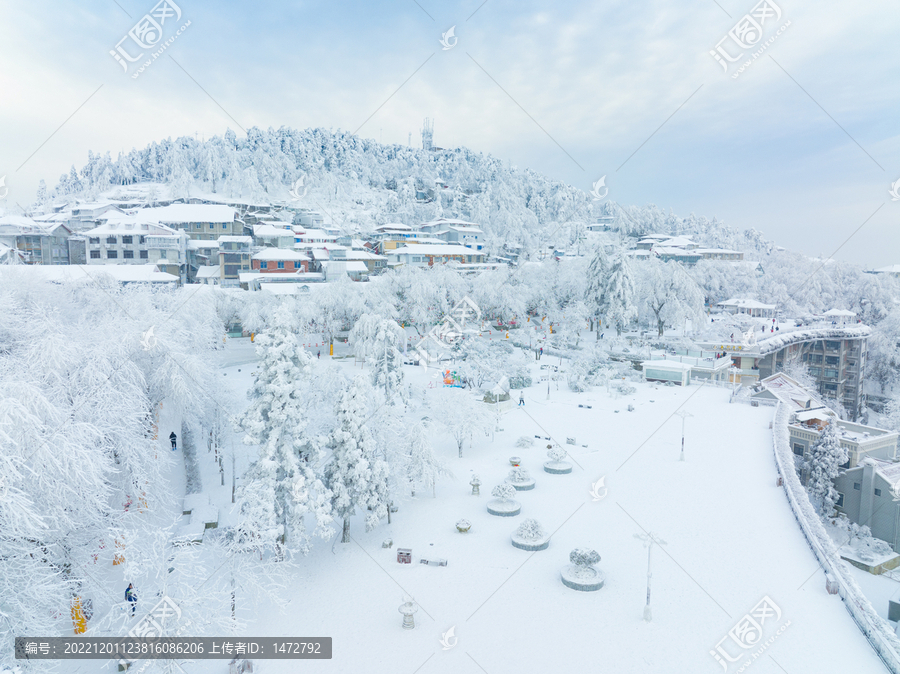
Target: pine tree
[
  {"x": 281, "y": 487},
  {"x": 826, "y": 457},
  {"x": 356, "y": 475}
]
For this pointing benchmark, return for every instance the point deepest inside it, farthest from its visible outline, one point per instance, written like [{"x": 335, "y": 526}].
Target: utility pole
[
  {"x": 684, "y": 414},
  {"x": 649, "y": 539}
]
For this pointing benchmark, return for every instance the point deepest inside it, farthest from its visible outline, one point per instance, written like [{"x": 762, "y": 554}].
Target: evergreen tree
[
  {"x": 825, "y": 460},
  {"x": 618, "y": 300},
  {"x": 597, "y": 274},
  {"x": 281, "y": 487},
  {"x": 356, "y": 475},
  {"x": 379, "y": 341}
]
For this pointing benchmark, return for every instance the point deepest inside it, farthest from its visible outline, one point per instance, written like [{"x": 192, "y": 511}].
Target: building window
[
  {"x": 128, "y": 254},
  {"x": 877, "y": 492},
  {"x": 815, "y": 371},
  {"x": 225, "y": 226},
  {"x": 127, "y": 239},
  {"x": 857, "y": 486},
  {"x": 831, "y": 374},
  {"x": 110, "y": 239},
  {"x": 798, "y": 449},
  {"x": 833, "y": 345},
  {"x": 143, "y": 254},
  {"x": 112, "y": 254},
  {"x": 831, "y": 360},
  {"x": 95, "y": 254},
  {"x": 211, "y": 225},
  {"x": 416, "y": 258},
  {"x": 94, "y": 239},
  {"x": 281, "y": 265},
  {"x": 830, "y": 387},
  {"x": 840, "y": 500}
]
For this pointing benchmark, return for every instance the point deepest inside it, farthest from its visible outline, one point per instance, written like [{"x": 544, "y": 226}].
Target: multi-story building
[
  {"x": 234, "y": 258},
  {"x": 837, "y": 364},
  {"x": 38, "y": 242},
  {"x": 279, "y": 260},
  {"x": 128, "y": 242},
  {"x": 198, "y": 221}
]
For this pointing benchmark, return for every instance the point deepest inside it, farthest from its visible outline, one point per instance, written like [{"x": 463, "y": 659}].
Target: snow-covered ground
[{"x": 731, "y": 540}]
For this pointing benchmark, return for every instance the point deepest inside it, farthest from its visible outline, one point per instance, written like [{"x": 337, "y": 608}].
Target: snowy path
[{"x": 731, "y": 540}]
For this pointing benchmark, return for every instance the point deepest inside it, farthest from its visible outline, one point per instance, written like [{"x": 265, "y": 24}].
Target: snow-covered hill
[{"x": 360, "y": 184}]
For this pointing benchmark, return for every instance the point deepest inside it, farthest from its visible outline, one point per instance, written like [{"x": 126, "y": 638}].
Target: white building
[
  {"x": 427, "y": 255},
  {"x": 131, "y": 242},
  {"x": 748, "y": 307}
]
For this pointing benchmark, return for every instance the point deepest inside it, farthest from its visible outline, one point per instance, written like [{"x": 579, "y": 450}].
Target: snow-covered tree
[
  {"x": 356, "y": 475},
  {"x": 597, "y": 277},
  {"x": 422, "y": 465},
  {"x": 461, "y": 414},
  {"x": 825, "y": 460},
  {"x": 619, "y": 295},
  {"x": 281, "y": 487},
  {"x": 671, "y": 296},
  {"x": 380, "y": 341}
]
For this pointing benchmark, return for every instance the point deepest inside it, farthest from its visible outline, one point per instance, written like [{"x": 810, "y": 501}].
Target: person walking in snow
[
  {"x": 131, "y": 597},
  {"x": 319, "y": 354},
  {"x": 172, "y": 439},
  {"x": 541, "y": 352},
  {"x": 521, "y": 398}
]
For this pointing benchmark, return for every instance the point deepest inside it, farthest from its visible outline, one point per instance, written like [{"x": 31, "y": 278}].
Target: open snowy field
[{"x": 731, "y": 540}]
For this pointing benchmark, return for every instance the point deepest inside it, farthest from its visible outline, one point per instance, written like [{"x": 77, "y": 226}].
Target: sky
[{"x": 803, "y": 145}]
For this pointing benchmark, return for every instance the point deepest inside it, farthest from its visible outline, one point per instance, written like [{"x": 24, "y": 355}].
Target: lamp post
[
  {"x": 684, "y": 414},
  {"x": 649, "y": 539}
]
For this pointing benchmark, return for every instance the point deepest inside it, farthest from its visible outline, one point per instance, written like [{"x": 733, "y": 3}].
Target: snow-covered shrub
[
  {"x": 525, "y": 441},
  {"x": 584, "y": 560},
  {"x": 557, "y": 454},
  {"x": 587, "y": 369},
  {"x": 504, "y": 492},
  {"x": 519, "y": 475},
  {"x": 531, "y": 530},
  {"x": 625, "y": 389}
]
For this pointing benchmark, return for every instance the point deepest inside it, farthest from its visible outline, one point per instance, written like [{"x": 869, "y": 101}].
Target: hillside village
[{"x": 325, "y": 333}]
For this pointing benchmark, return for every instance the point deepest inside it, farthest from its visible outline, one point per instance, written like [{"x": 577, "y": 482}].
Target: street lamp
[
  {"x": 684, "y": 414},
  {"x": 649, "y": 539}
]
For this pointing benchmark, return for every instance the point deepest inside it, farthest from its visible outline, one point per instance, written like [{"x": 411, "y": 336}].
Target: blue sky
[{"x": 804, "y": 151}]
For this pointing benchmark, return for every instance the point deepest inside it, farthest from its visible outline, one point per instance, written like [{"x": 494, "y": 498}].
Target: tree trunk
[
  {"x": 660, "y": 325},
  {"x": 460, "y": 448},
  {"x": 346, "y": 537}
]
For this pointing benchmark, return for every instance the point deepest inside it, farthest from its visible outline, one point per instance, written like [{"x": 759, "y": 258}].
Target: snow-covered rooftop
[
  {"x": 235, "y": 239},
  {"x": 432, "y": 250},
  {"x": 199, "y": 244},
  {"x": 268, "y": 231},
  {"x": 123, "y": 273},
  {"x": 182, "y": 213},
  {"x": 208, "y": 272},
  {"x": 745, "y": 304},
  {"x": 840, "y": 313}
]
